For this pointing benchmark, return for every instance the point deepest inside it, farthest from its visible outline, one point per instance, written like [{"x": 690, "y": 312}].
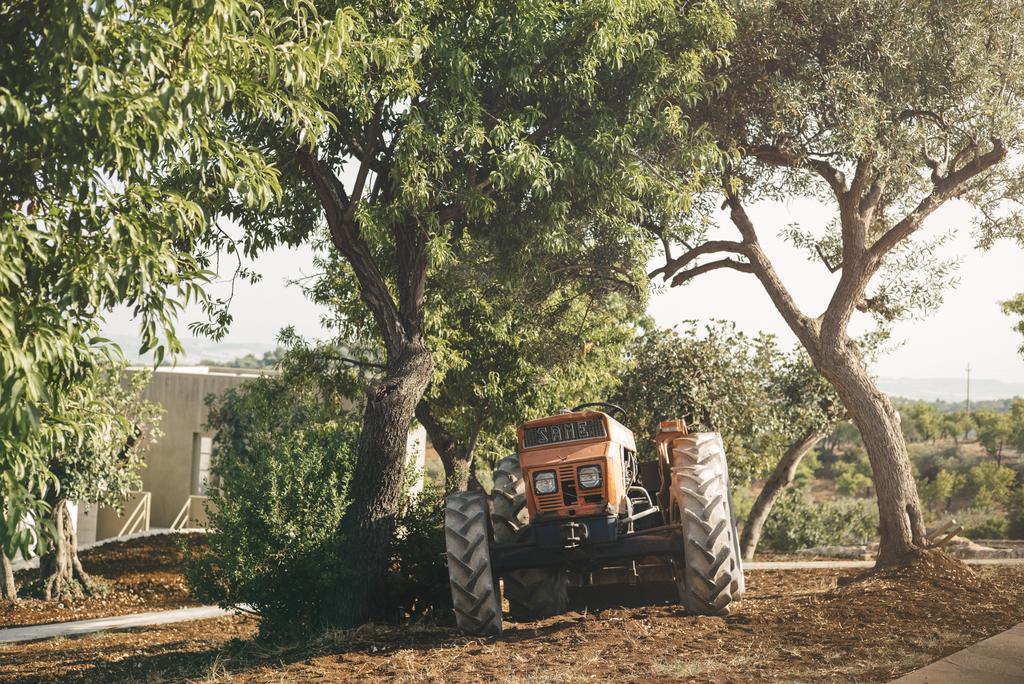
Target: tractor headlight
[
  {"x": 589, "y": 476},
  {"x": 544, "y": 482}
]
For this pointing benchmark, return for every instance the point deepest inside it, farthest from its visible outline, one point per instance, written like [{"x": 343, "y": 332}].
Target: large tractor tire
[
  {"x": 532, "y": 594},
  {"x": 739, "y": 582},
  {"x": 474, "y": 588},
  {"x": 711, "y": 576}
]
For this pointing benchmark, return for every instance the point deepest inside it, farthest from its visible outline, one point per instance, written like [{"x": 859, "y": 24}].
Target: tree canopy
[
  {"x": 103, "y": 106},
  {"x": 761, "y": 398},
  {"x": 508, "y": 124},
  {"x": 886, "y": 111}
]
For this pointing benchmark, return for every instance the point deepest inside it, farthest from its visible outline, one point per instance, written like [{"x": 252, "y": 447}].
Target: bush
[
  {"x": 928, "y": 460},
  {"x": 283, "y": 454},
  {"x": 938, "y": 492},
  {"x": 983, "y": 524},
  {"x": 282, "y": 458},
  {"x": 796, "y": 522},
  {"x": 420, "y": 584},
  {"x": 990, "y": 483},
  {"x": 1015, "y": 509}
]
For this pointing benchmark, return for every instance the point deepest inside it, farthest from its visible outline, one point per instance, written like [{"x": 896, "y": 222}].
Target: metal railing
[
  {"x": 186, "y": 517},
  {"x": 138, "y": 519}
]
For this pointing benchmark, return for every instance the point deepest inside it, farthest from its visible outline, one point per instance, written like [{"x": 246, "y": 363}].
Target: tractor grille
[{"x": 567, "y": 493}]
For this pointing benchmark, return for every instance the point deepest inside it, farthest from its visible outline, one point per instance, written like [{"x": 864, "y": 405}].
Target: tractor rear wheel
[
  {"x": 536, "y": 593},
  {"x": 474, "y": 588},
  {"x": 711, "y": 577}
]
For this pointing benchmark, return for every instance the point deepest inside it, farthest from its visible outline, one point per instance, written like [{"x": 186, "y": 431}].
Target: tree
[
  {"x": 853, "y": 478},
  {"x": 509, "y": 355},
  {"x": 938, "y": 492},
  {"x": 809, "y": 410},
  {"x": 99, "y": 464},
  {"x": 713, "y": 378},
  {"x": 101, "y": 107},
  {"x": 954, "y": 425},
  {"x": 920, "y": 422},
  {"x": 844, "y": 433},
  {"x": 848, "y": 103},
  {"x": 994, "y": 431},
  {"x": 771, "y": 407},
  {"x": 1015, "y": 421},
  {"x": 1015, "y": 307},
  {"x": 991, "y": 483},
  {"x": 505, "y": 123}
]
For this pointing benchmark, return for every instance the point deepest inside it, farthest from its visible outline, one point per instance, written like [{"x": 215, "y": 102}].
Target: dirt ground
[
  {"x": 792, "y": 626},
  {"x": 140, "y": 574}
]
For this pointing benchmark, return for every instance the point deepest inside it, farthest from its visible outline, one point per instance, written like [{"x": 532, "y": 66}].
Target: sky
[{"x": 968, "y": 328}]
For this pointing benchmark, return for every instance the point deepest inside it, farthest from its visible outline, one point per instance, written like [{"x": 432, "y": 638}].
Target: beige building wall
[{"x": 169, "y": 473}]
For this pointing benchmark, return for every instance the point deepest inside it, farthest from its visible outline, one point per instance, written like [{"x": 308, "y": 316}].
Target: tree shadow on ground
[{"x": 184, "y": 659}]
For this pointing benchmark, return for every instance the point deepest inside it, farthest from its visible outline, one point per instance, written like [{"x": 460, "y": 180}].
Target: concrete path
[
  {"x": 838, "y": 564},
  {"x": 995, "y": 660},
  {"x": 79, "y": 627}
]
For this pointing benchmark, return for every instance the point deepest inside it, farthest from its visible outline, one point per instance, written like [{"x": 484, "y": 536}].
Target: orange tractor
[{"x": 574, "y": 507}]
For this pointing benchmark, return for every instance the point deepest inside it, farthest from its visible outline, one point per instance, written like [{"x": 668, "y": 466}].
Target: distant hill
[
  {"x": 950, "y": 389},
  {"x": 204, "y": 352}
]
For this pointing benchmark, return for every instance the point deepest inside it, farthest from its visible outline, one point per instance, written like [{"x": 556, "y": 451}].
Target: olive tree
[
  {"x": 887, "y": 110},
  {"x": 771, "y": 406},
  {"x": 99, "y": 464},
  {"x": 469, "y": 120},
  {"x": 1015, "y": 307}
]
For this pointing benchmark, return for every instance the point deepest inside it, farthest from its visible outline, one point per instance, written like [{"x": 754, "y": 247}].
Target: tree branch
[
  {"x": 942, "y": 190},
  {"x": 353, "y": 362},
  {"x": 776, "y": 156},
  {"x": 691, "y": 273},
  {"x": 673, "y": 265},
  {"x": 347, "y": 240},
  {"x": 803, "y": 327}
]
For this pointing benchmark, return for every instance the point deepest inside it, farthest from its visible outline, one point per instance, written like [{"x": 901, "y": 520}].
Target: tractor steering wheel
[{"x": 612, "y": 408}]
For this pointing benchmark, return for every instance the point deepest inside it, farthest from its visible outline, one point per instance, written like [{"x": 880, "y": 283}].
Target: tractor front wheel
[
  {"x": 474, "y": 588},
  {"x": 711, "y": 576},
  {"x": 536, "y": 593}
]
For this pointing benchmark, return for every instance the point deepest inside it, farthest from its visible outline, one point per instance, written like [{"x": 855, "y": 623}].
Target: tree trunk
[
  {"x": 901, "y": 524},
  {"x": 60, "y": 571},
  {"x": 377, "y": 479},
  {"x": 780, "y": 478},
  {"x": 459, "y": 470},
  {"x": 8, "y": 590}
]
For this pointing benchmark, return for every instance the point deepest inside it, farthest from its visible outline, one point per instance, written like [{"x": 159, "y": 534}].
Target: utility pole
[{"x": 968, "y": 390}]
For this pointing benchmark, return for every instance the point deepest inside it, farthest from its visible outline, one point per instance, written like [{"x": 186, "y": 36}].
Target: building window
[{"x": 202, "y": 448}]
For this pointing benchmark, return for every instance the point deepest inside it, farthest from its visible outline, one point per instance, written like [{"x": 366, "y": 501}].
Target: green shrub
[
  {"x": 1015, "y": 510},
  {"x": 796, "y": 522},
  {"x": 283, "y": 454},
  {"x": 928, "y": 460},
  {"x": 282, "y": 458},
  {"x": 983, "y": 524},
  {"x": 938, "y": 492},
  {"x": 990, "y": 483},
  {"x": 420, "y": 584}
]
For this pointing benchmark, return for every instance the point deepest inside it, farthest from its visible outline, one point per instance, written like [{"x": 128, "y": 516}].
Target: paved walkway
[
  {"x": 995, "y": 660},
  {"x": 79, "y": 627},
  {"x": 838, "y": 564}
]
